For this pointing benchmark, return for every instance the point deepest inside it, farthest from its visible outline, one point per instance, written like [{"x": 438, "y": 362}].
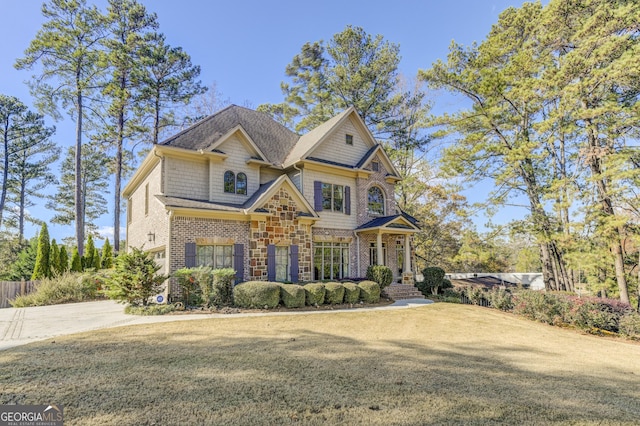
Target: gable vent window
[
  {"x": 349, "y": 139},
  {"x": 375, "y": 166}
]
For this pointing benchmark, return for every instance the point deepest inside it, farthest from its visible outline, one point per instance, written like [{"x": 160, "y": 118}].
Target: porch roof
[{"x": 398, "y": 223}]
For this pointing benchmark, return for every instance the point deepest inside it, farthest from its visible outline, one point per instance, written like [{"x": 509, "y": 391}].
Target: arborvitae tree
[
  {"x": 42, "y": 268},
  {"x": 63, "y": 265},
  {"x": 96, "y": 259},
  {"x": 89, "y": 250},
  {"x": 76, "y": 261},
  {"x": 107, "y": 255},
  {"x": 54, "y": 258}
]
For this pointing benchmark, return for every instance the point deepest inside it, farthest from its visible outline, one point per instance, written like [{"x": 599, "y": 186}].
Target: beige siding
[
  {"x": 187, "y": 178},
  {"x": 330, "y": 219},
  {"x": 334, "y": 148},
  {"x": 237, "y": 163},
  {"x": 156, "y": 221},
  {"x": 267, "y": 175},
  {"x": 295, "y": 177}
]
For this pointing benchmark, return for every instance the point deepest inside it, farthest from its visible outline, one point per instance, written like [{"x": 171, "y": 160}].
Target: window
[
  {"x": 229, "y": 182},
  {"x": 241, "y": 184},
  {"x": 330, "y": 261},
  {"x": 349, "y": 139},
  {"x": 146, "y": 199},
  {"x": 332, "y": 197},
  {"x": 376, "y": 201},
  {"x": 375, "y": 166},
  {"x": 215, "y": 256},
  {"x": 373, "y": 254},
  {"x": 129, "y": 210},
  {"x": 282, "y": 263}
]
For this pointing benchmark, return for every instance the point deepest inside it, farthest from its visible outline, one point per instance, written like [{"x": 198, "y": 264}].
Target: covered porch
[{"x": 388, "y": 242}]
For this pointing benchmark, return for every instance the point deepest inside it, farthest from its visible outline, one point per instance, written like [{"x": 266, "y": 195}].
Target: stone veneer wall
[
  {"x": 203, "y": 231},
  {"x": 281, "y": 227}
]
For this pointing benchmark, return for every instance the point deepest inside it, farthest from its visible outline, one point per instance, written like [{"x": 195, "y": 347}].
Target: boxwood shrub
[
  {"x": 256, "y": 294},
  {"x": 351, "y": 292},
  {"x": 369, "y": 291},
  {"x": 334, "y": 293},
  {"x": 292, "y": 295},
  {"x": 314, "y": 294}
]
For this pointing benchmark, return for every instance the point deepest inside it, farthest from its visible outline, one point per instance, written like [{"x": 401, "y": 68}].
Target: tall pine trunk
[
  {"x": 5, "y": 170},
  {"x": 78, "y": 170}
]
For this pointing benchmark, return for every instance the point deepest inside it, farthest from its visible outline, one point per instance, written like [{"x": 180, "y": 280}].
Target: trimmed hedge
[
  {"x": 292, "y": 295},
  {"x": 314, "y": 294},
  {"x": 334, "y": 293},
  {"x": 380, "y": 274},
  {"x": 257, "y": 294},
  {"x": 369, "y": 291},
  {"x": 351, "y": 292}
]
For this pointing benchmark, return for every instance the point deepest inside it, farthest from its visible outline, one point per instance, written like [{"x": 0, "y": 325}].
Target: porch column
[
  {"x": 379, "y": 248},
  {"x": 407, "y": 254}
]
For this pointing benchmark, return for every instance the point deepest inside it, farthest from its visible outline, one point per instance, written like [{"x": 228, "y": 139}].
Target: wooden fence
[{"x": 10, "y": 289}]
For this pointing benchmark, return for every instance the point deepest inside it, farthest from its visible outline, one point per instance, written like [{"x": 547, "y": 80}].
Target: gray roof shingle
[{"x": 273, "y": 139}]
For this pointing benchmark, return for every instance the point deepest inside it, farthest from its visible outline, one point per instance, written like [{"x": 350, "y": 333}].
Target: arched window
[
  {"x": 376, "y": 201},
  {"x": 229, "y": 182},
  {"x": 241, "y": 184}
]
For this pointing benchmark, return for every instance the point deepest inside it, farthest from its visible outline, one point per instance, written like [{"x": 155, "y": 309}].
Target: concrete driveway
[{"x": 19, "y": 326}]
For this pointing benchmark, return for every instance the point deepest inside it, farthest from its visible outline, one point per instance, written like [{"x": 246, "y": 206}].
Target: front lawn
[{"x": 437, "y": 364}]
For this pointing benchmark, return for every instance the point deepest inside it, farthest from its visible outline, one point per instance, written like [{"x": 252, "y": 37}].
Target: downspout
[
  {"x": 168, "y": 256},
  {"x": 357, "y": 253}
]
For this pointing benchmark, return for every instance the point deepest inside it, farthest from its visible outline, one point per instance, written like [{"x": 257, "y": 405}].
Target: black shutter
[
  {"x": 271, "y": 262},
  {"x": 294, "y": 263},
  {"x": 317, "y": 196},
  {"x": 190, "y": 255},
  {"x": 238, "y": 262},
  {"x": 347, "y": 200}
]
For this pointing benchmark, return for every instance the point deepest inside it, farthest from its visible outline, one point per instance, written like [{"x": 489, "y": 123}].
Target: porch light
[{"x": 151, "y": 236}]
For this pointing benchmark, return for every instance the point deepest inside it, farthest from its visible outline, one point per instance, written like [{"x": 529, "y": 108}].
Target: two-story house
[{"x": 239, "y": 190}]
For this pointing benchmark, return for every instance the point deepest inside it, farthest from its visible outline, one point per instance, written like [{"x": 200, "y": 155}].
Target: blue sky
[{"x": 244, "y": 45}]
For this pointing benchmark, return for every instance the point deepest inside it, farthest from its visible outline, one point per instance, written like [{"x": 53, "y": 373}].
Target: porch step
[{"x": 402, "y": 291}]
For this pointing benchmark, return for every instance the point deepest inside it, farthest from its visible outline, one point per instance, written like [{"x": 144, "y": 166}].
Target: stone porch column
[
  {"x": 379, "y": 249},
  {"x": 407, "y": 254}
]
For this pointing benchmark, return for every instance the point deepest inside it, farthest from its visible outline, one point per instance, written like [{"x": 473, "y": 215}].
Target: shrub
[
  {"x": 476, "y": 295},
  {"x": 134, "y": 279},
  {"x": 590, "y": 316},
  {"x": 292, "y": 295},
  {"x": 190, "y": 292},
  {"x": 500, "y": 298},
  {"x": 66, "y": 288},
  {"x": 549, "y": 308},
  {"x": 334, "y": 293},
  {"x": 450, "y": 296},
  {"x": 149, "y": 310},
  {"x": 630, "y": 326},
  {"x": 222, "y": 287},
  {"x": 380, "y": 274},
  {"x": 433, "y": 281},
  {"x": 314, "y": 294},
  {"x": 256, "y": 294},
  {"x": 369, "y": 291},
  {"x": 351, "y": 292}
]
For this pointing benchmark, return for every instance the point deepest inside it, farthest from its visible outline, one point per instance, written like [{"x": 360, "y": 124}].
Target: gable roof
[
  {"x": 395, "y": 222},
  {"x": 271, "y": 138}
]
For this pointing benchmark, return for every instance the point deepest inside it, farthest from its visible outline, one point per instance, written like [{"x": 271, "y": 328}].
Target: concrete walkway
[{"x": 19, "y": 326}]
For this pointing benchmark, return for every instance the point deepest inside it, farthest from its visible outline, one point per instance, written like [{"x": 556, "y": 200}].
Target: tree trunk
[
  {"x": 5, "y": 170},
  {"x": 156, "y": 119},
  {"x": 118, "y": 183},
  {"x": 78, "y": 170},
  {"x": 21, "y": 216},
  {"x": 615, "y": 236}
]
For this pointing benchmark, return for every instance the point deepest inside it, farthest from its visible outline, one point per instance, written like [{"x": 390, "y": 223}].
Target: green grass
[{"x": 439, "y": 364}]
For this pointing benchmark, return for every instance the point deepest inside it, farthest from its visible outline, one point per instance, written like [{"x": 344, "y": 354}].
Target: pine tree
[
  {"x": 76, "y": 261},
  {"x": 23, "y": 267},
  {"x": 54, "y": 258},
  {"x": 42, "y": 268},
  {"x": 107, "y": 255},
  {"x": 63, "y": 265}
]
